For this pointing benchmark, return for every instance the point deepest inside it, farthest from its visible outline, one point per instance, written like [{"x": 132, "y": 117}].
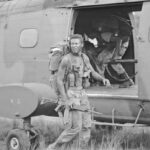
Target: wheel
[{"x": 17, "y": 139}]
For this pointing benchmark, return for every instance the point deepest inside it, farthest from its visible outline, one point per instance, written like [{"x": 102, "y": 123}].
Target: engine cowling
[{"x": 29, "y": 99}]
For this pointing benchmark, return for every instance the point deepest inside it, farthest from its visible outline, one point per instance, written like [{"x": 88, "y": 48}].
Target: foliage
[{"x": 102, "y": 138}]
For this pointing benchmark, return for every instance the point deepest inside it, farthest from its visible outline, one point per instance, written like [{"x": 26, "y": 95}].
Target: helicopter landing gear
[{"x": 27, "y": 138}]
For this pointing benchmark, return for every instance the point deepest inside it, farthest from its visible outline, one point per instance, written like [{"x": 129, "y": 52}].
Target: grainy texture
[{"x": 101, "y": 139}]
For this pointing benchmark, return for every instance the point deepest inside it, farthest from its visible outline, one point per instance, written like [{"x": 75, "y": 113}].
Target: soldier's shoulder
[
  {"x": 66, "y": 58},
  {"x": 67, "y": 55}
]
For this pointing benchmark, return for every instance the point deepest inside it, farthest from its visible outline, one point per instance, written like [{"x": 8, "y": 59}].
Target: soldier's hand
[
  {"x": 67, "y": 103},
  {"x": 106, "y": 82}
]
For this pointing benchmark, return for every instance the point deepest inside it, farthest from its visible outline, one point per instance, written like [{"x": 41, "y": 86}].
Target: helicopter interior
[{"x": 105, "y": 21}]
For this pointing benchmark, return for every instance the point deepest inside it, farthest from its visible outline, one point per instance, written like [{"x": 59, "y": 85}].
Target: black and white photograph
[{"x": 74, "y": 74}]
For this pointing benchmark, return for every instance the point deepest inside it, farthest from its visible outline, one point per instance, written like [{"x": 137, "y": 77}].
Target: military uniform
[
  {"x": 119, "y": 69},
  {"x": 78, "y": 122},
  {"x": 107, "y": 43},
  {"x": 104, "y": 57},
  {"x": 107, "y": 55}
]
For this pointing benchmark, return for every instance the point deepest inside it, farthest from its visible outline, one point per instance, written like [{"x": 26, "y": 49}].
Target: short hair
[{"x": 77, "y": 36}]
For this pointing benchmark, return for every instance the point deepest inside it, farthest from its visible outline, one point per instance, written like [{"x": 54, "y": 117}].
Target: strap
[{"x": 82, "y": 56}]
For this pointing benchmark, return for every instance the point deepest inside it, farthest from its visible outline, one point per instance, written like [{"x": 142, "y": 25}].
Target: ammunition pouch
[{"x": 86, "y": 83}]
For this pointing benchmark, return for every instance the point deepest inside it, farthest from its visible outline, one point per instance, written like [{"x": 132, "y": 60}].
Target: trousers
[
  {"x": 118, "y": 68},
  {"x": 79, "y": 122}
]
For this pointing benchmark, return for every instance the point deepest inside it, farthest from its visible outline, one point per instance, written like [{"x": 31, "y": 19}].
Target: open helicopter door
[{"x": 144, "y": 52}]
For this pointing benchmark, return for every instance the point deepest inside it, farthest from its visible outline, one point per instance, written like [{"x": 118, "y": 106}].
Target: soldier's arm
[
  {"x": 60, "y": 78},
  {"x": 96, "y": 75}
]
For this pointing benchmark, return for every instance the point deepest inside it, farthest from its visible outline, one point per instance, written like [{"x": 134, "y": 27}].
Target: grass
[{"x": 128, "y": 138}]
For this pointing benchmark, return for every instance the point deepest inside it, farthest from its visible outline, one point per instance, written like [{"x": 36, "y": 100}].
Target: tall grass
[{"x": 101, "y": 139}]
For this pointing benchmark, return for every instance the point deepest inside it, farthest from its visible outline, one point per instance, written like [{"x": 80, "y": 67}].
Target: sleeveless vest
[{"x": 75, "y": 73}]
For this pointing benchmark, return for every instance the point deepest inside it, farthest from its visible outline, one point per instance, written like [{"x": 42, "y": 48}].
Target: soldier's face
[
  {"x": 123, "y": 48},
  {"x": 76, "y": 46}
]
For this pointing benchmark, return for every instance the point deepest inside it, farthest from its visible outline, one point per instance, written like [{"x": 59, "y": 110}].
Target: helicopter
[{"x": 29, "y": 28}]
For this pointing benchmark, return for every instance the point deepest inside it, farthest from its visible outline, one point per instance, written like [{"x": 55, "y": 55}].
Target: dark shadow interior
[{"x": 114, "y": 19}]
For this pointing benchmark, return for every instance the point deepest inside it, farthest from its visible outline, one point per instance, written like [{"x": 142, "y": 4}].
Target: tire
[{"x": 17, "y": 139}]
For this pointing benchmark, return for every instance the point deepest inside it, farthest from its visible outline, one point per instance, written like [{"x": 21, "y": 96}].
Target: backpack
[{"x": 55, "y": 56}]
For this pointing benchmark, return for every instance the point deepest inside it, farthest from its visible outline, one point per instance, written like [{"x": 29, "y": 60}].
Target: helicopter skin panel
[
  {"x": 80, "y": 3},
  {"x": 19, "y": 103},
  {"x": 21, "y": 100},
  {"x": 25, "y": 6},
  {"x": 143, "y": 52}
]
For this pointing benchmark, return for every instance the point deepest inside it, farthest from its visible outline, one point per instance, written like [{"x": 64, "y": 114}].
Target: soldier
[
  {"x": 73, "y": 68},
  {"x": 118, "y": 68},
  {"x": 104, "y": 36},
  {"x": 116, "y": 53}
]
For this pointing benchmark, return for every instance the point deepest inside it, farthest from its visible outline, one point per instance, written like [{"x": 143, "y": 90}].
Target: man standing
[{"x": 73, "y": 68}]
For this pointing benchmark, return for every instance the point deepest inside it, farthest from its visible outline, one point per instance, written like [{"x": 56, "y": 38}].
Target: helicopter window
[
  {"x": 106, "y": 30},
  {"x": 28, "y": 38}
]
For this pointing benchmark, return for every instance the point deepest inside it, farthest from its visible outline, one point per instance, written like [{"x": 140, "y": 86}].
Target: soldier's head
[{"x": 76, "y": 44}]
